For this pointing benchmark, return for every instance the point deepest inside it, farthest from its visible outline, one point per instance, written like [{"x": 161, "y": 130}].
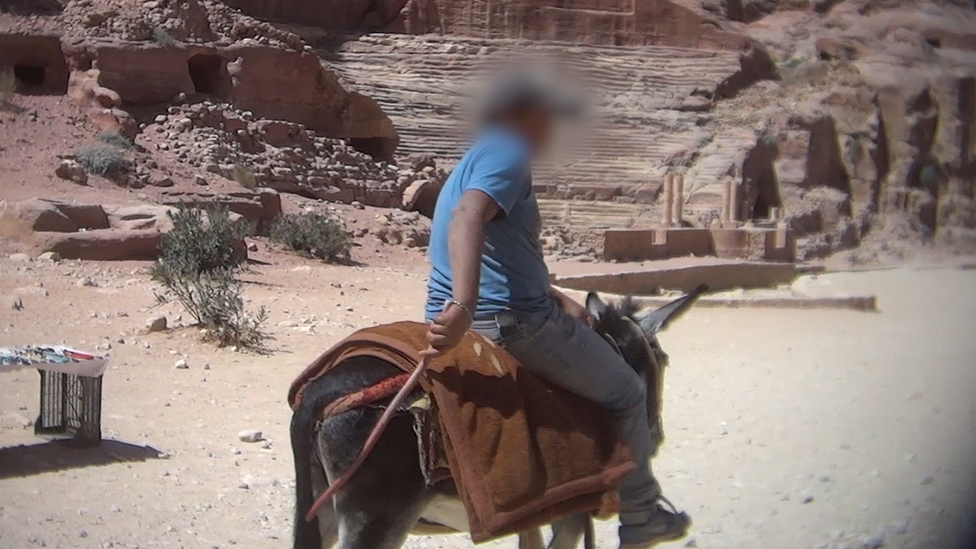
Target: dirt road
[{"x": 805, "y": 429}]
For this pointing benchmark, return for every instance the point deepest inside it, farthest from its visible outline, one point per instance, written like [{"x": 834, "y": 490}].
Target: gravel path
[{"x": 799, "y": 429}]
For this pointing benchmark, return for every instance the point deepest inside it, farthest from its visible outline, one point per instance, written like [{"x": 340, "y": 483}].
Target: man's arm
[{"x": 465, "y": 242}]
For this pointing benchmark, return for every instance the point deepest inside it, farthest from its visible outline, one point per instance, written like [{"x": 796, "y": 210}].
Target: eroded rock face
[
  {"x": 609, "y": 22},
  {"x": 271, "y": 82},
  {"x": 37, "y": 62},
  {"x": 96, "y": 232}
]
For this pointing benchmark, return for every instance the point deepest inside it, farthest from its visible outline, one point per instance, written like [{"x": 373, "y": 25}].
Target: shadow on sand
[{"x": 52, "y": 456}]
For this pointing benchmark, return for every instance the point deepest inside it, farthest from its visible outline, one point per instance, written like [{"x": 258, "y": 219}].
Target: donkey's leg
[
  {"x": 327, "y": 519},
  {"x": 382, "y": 502},
  {"x": 567, "y": 531},
  {"x": 531, "y": 539}
]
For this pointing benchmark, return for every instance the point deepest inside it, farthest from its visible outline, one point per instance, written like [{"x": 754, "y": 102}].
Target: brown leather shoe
[{"x": 663, "y": 525}]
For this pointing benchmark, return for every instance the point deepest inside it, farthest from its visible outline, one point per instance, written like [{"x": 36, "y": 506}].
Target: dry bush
[
  {"x": 101, "y": 160},
  {"x": 198, "y": 263},
  {"x": 162, "y": 37},
  {"x": 313, "y": 235},
  {"x": 115, "y": 139}
]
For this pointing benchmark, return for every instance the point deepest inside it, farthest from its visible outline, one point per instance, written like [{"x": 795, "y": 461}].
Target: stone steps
[
  {"x": 645, "y": 124},
  {"x": 579, "y": 214}
]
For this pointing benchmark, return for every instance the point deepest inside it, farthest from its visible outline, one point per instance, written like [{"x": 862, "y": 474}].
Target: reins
[{"x": 373, "y": 437}]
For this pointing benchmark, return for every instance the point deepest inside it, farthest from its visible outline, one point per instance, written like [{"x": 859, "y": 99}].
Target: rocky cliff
[
  {"x": 608, "y": 22},
  {"x": 856, "y": 119}
]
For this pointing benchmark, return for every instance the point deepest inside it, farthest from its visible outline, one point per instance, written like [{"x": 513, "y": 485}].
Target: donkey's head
[{"x": 633, "y": 334}]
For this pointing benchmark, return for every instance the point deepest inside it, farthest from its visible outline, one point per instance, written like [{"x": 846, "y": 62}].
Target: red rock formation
[
  {"x": 270, "y": 82},
  {"x": 609, "y": 22},
  {"x": 37, "y": 62}
]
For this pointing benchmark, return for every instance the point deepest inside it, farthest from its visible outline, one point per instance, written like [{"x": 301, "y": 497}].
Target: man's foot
[{"x": 663, "y": 525}]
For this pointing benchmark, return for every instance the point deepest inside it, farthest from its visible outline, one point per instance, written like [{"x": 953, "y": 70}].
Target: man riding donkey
[{"x": 488, "y": 274}]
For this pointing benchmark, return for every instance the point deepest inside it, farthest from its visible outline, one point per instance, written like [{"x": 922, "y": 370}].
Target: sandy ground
[{"x": 805, "y": 429}]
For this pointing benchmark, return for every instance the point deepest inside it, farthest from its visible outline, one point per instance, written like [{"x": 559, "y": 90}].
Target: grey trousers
[{"x": 563, "y": 350}]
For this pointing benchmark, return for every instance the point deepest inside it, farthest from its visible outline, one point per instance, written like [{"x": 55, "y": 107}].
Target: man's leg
[{"x": 571, "y": 355}]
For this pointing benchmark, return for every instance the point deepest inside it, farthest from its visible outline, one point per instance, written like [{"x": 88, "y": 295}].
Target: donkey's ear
[
  {"x": 658, "y": 319},
  {"x": 596, "y": 306}
]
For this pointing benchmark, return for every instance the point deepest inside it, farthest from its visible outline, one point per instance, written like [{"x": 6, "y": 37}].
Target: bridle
[
  {"x": 613, "y": 343},
  {"x": 651, "y": 355}
]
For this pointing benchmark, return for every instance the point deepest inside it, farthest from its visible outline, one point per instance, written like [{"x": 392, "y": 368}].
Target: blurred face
[{"x": 536, "y": 125}]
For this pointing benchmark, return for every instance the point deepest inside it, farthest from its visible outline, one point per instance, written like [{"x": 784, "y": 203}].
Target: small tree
[
  {"x": 101, "y": 160},
  {"x": 198, "y": 262},
  {"x": 313, "y": 235}
]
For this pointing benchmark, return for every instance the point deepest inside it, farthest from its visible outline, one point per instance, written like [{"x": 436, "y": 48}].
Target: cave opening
[
  {"x": 209, "y": 75},
  {"x": 29, "y": 76},
  {"x": 380, "y": 148},
  {"x": 760, "y": 182}
]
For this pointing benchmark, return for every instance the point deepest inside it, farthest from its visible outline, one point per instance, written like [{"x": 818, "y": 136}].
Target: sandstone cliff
[{"x": 609, "y": 22}]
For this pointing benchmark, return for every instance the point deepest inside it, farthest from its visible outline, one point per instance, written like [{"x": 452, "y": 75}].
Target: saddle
[{"x": 521, "y": 451}]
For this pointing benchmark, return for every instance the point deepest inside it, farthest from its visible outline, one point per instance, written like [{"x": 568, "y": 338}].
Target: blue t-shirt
[{"x": 513, "y": 272}]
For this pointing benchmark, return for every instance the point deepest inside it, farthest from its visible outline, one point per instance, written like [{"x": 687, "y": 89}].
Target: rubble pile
[
  {"x": 218, "y": 139},
  {"x": 169, "y": 21},
  {"x": 407, "y": 228}
]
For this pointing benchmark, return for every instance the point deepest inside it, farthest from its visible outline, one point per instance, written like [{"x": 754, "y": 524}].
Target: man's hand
[
  {"x": 572, "y": 308},
  {"x": 446, "y": 331}
]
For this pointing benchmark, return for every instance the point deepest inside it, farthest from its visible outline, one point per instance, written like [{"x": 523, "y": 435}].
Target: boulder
[
  {"x": 141, "y": 217},
  {"x": 20, "y": 219},
  {"x": 115, "y": 120},
  {"x": 71, "y": 171},
  {"x": 101, "y": 245},
  {"x": 106, "y": 97}
]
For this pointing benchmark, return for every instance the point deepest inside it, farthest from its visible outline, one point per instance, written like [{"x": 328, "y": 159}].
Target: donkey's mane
[{"x": 628, "y": 307}]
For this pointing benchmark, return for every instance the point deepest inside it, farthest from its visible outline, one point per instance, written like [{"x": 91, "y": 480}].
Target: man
[{"x": 488, "y": 274}]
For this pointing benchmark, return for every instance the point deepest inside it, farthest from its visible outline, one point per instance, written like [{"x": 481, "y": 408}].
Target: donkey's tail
[{"x": 306, "y": 534}]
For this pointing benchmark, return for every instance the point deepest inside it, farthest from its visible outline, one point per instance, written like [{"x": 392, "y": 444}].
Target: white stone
[{"x": 250, "y": 435}]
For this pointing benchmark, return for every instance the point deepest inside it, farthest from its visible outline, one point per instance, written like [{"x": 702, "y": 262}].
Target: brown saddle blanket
[{"x": 521, "y": 450}]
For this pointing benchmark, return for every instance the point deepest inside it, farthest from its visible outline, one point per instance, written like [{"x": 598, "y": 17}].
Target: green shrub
[
  {"x": 198, "y": 262},
  {"x": 116, "y": 139},
  {"x": 214, "y": 299},
  {"x": 162, "y": 37},
  {"x": 101, "y": 160},
  {"x": 8, "y": 85},
  {"x": 201, "y": 241},
  {"x": 313, "y": 235}
]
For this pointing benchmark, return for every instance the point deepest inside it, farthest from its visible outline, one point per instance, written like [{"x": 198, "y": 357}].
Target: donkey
[{"x": 388, "y": 498}]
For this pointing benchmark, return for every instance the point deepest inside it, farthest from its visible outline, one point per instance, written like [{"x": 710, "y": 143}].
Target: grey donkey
[{"x": 388, "y": 497}]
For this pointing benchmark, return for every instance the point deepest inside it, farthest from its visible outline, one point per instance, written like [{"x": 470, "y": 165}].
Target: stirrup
[{"x": 671, "y": 507}]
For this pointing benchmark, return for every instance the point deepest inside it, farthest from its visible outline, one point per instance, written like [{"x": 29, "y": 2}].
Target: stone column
[
  {"x": 678, "y": 196},
  {"x": 733, "y": 203},
  {"x": 781, "y": 235},
  {"x": 726, "y": 208},
  {"x": 668, "y": 197}
]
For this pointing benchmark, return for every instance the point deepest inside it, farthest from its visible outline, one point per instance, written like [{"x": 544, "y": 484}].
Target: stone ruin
[
  {"x": 837, "y": 119},
  {"x": 727, "y": 237}
]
